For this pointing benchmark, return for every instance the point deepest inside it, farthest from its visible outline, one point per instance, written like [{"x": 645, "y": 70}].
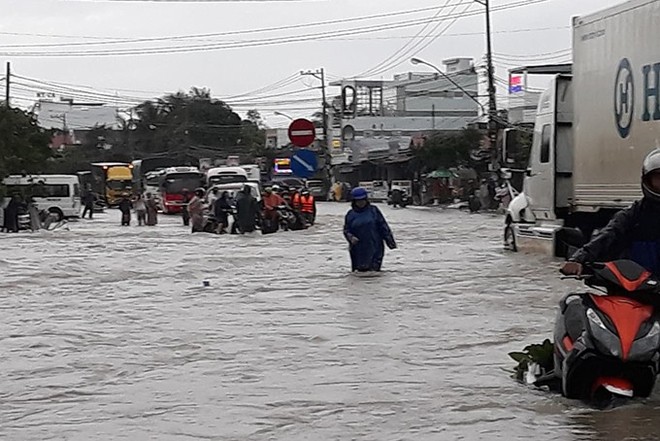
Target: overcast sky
[{"x": 227, "y": 72}]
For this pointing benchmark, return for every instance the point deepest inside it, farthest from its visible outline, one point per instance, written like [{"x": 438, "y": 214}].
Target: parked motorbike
[
  {"x": 398, "y": 196},
  {"x": 269, "y": 225},
  {"x": 606, "y": 345},
  {"x": 291, "y": 219},
  {"x": 210, "y": 224},
  {"x": 24, "y": 221}
]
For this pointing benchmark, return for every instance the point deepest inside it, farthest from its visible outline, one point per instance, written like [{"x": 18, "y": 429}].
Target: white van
[
  {"x": 226, "y": 175},
  {"x": 59, "y": 194}
]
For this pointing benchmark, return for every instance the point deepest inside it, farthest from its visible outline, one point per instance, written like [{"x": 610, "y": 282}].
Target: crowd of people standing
[
  {"x": 365, "y": 227},
  {"x": 145, "y": 207}
]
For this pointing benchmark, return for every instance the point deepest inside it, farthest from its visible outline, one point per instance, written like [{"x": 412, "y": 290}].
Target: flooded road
[{"x": 108, "y": 333}]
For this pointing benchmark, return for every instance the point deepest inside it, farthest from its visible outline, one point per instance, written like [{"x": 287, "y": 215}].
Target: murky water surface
[{"x": 107, "y": 333}]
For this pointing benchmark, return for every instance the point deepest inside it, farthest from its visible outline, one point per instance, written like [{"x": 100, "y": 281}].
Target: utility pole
[
  {"x": 319, "y": 74},
  {"x": 493, "y": 125},
  {"x": 7, "y": 83},
  {"x": 492, "y": 104}
]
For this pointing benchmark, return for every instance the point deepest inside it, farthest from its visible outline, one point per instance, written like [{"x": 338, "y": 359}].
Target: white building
[
  {"x": 75, "y": 116},
  {"x": 277, "y": 138},
  {"x": 382, "y": 116}
]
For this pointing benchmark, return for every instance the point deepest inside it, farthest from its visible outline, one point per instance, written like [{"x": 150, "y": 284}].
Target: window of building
[{"x": 545, "y": 143}]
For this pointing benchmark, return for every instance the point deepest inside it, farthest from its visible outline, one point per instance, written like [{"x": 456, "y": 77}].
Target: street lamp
[
  {"x": 448, "y": 78},
  {"x": 282, "y": 114}
]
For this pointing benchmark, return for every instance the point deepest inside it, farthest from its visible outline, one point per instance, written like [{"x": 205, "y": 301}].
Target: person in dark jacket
[
  {"x": 185, "y": 214},
  {"x": 88, "y": 202},
  {"x": 633, "y": 233},
  {"x": 247, "y": 211},
  {"x": 125, "y": 208},
  {"x": 11, "y": 214},
  {"x": 366, "y": 231},
  {"x": 221, "y": 210}
]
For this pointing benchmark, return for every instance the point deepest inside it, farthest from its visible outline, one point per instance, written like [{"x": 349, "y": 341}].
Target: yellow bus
[{"x": 112, "y": 181}]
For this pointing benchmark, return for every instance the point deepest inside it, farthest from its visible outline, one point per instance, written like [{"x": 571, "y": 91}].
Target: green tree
[
  {"x": 253, "y": 134},
  {"x": 446, "y": 151},
  {"x": 23, "y": 144},
  {"x": 184, "y": 123}
]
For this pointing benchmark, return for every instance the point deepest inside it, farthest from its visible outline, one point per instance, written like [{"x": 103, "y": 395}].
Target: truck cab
[
  {"x": 593, "y": 130},
  {"x": 536, "y": 214}
]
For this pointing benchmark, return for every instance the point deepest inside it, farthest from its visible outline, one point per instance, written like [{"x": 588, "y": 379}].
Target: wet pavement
[{"x": 108, "y": 333}]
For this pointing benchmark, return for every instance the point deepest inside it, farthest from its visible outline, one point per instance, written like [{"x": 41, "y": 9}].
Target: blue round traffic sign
[{"x": 304, "y": 163}]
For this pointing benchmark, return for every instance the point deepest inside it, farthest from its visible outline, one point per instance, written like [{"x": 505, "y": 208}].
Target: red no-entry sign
[{"x": 302, "y": 132}]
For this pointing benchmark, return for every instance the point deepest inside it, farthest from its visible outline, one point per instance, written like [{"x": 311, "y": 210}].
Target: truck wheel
[
  {"x": 510, "y": 242},
  {"x": 57, "y": 212}
]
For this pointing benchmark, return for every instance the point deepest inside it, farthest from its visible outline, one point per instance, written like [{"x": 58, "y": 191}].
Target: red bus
[{"x": 174, "y": 182}]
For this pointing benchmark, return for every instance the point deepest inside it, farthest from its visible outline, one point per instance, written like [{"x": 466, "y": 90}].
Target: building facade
[{"x": 374, "y": 122}]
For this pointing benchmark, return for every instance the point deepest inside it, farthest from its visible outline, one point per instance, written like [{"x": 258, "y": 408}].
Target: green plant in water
[{"x": 540, "y": 354}]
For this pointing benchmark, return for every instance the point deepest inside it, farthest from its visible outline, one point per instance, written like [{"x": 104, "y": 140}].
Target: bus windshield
[
  {"x": 119, "y": 185},
  {"x": 153, "y": 180},
  {"x": 177, "y": 182},
  {"x": 226, "y": 179}
]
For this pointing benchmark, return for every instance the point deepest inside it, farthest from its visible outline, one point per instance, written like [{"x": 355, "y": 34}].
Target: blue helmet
[{"x": 359, "y": 193}]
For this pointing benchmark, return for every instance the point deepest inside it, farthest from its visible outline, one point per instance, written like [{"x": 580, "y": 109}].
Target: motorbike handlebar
[{"x": 587, "y": 270}]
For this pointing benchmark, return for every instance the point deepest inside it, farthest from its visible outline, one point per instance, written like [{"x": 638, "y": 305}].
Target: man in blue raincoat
[{"x": 366, "y": 231}]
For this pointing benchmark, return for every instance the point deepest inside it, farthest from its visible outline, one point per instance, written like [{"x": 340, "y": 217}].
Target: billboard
[
  {"x": 515, "y": 84},
  {"x": 282, "y": 166}
]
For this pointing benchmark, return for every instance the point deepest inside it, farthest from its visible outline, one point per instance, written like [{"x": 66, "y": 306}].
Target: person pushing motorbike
[
  {"x": 247, "y": 212},
  {"x": 633, "y": 233},
  {"x": 271, "y": 200}
]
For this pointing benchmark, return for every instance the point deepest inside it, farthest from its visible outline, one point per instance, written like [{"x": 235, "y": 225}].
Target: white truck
[{"x": 593, "y": 129}]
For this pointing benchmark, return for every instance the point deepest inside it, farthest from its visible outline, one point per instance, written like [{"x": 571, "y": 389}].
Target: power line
[
  {"x": 187, "y": 1},
  {"x": 115, "y": 40},
  {"x": 274, "y": 86},
  {"x": 554, "y": 54},
  {"x": 402, "y": 48},
  {"x": 388, "y": 37},
  {"x": 84, "y": 92},
  {"x": 261, "y": 42},
  {"x": 40, "y": 84},
  {"x": 404, "y": 57},
  {"x": 416, "y": 47}
]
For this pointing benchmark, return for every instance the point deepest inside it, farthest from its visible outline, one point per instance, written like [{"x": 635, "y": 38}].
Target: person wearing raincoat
[
  {"x": 196, "y": 211},
  {"x": 152, "y": 210},
  {"x": 33, "y": 212},
  {"x": 367, "y": 232},
  {"x": 247, "y": 211}
]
